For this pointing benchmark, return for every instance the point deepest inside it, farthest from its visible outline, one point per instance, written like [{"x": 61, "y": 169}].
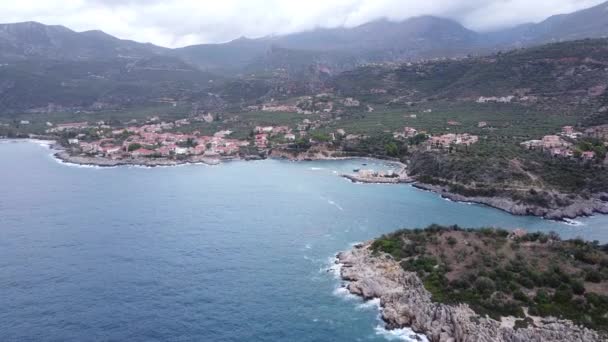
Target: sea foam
[{"x": 404, "y": 334}]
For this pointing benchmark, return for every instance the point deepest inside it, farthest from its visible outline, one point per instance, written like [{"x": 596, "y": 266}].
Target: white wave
[
  {"x": 404, "y": 334},
  {"x": 80, "y": 166},
  {"x": 335, "y": 204},
  {"x": 370, "y": 304},
  {"x": 573, "y": 223},
  {"x": 307, "y": 246},
  {"x": 343, "y": 293},
  {"x": 334, "y": 268},
  {"x": 315, "y": 168}
]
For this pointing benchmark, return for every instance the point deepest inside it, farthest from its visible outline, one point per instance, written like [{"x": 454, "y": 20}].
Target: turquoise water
[{"x": 235, "y": 252}]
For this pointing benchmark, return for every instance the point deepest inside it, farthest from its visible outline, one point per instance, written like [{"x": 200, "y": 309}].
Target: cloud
[{"x": 183, "y": 22}]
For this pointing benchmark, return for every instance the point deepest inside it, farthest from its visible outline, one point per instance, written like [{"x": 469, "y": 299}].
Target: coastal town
[{"x": 160, "y": 140}]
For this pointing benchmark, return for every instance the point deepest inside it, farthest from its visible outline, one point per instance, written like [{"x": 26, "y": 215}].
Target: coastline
[
  {"x": 405, "y": 303},
  {"x": 579, "y": 208}
]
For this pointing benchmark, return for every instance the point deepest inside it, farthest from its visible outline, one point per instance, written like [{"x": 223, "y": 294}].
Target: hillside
[{"x": 541, "y": 74}]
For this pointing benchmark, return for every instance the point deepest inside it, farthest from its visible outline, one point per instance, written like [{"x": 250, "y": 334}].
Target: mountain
[
  {"x": 45, "y": 68},
  {"x": 342, "y": 48},
  {"x": 31, "y": 40},
  {"x": 337, "y": 49},
  {"x": 423, "y": 37},
  {"x": 586, "y": 23}
]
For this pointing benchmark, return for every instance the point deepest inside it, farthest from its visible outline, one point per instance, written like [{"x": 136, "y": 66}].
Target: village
[
  {"x": 150, "y": 140},
  {"x": 588, "y": 145},
  {"x": 159, "y": 139}
]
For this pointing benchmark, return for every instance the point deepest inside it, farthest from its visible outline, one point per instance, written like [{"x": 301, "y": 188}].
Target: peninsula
[{"x": 454, "y": 284}]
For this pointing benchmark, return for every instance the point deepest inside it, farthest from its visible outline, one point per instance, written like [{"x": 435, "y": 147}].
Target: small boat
[{"x": 356, "y": 170}]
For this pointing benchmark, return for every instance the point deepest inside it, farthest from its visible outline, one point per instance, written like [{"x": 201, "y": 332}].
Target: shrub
[{"x": 485, "y": 285}]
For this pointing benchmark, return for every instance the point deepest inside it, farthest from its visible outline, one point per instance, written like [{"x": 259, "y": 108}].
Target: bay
[{"x": 234, "y": 252}]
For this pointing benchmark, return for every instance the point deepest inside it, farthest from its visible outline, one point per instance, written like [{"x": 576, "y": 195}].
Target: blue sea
[{"x": 234, "y": 252}]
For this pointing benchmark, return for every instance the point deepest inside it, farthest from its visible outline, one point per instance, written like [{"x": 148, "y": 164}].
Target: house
[
  {"x": 561, "y": 152},
  {"x": 261, "y": 140},
  {"x": 588, "y": 155},
  {"x": 142, "y": 152},
  {"x": 409, "y": 132},
  {"x": 482, "y": 124},
  {"x": 181, "y": 150},
  {"x": 281, "y": 129},
  {"x": 73, "y": 141},
  {"x": 550, "y": 141},
  {"x": 111, "y": 149},
  {"x": 290, "y": 137},
  {"x": 24, "y": 122},
  {"x": 567, "y": 130},
  {"x": 165, "y": 151},
  {"x": 446, "y": 140}
]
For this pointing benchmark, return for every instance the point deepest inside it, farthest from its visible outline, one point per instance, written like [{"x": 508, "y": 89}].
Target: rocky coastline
[
  {"x": 65, "y": 157},
  {"x": 405, "y": 303},
  {"x": 579, "y": 207}
]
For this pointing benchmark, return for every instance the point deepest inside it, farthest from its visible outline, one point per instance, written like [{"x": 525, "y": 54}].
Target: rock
[
  {"x": 579, "y": 206},
  {"x": 406, "y": 303}
]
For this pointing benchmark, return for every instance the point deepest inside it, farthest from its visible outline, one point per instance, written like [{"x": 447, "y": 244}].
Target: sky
[{"x": 185, "y": 22}]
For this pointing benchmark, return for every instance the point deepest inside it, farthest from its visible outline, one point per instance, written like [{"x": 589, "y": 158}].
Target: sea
[{"x": 241, "y": 251}]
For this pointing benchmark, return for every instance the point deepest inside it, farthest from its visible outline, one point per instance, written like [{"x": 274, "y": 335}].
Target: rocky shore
[
  {"x": 579, "y": 206},
  {"x": 106, "y": 162},
  {"x": 390, "y": 177},
  {"x": 405, "y": 302}
]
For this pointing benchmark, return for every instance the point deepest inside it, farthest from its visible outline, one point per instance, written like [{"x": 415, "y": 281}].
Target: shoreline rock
[
  {"x": 405, "y": 303},
  {"x": 65, "y": 157},
  {"x": 579, "y": 208}
]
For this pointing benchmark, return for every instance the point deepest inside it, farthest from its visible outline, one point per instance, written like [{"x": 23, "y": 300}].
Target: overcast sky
[{"x": 184, "y": 22}]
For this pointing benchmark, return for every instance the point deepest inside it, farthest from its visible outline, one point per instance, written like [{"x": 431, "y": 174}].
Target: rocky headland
[{"x": 405, "y": 302}]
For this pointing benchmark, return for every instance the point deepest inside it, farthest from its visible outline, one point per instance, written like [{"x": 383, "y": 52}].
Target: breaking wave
[{"x": 404, "y": 334}]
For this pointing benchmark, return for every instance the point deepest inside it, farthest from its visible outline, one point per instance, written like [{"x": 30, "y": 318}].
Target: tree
[
  {"x": 392, "y": 149},
  {"x": 134, "y": 146}
]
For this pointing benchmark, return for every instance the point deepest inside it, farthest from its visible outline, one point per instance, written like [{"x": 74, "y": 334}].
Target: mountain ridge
[{"x": 341, "y": 48}]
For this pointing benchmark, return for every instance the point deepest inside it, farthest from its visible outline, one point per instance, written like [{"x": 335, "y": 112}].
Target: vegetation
[{"x": 499, "y": 273}]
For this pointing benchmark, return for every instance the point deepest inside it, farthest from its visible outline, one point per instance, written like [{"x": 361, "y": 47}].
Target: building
[
  {"x": 567, "y": 130},
  {"x": 588, "y": 155},
  {"x": 410, "y": 132},
  {"x": 142, "y": 152}
]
